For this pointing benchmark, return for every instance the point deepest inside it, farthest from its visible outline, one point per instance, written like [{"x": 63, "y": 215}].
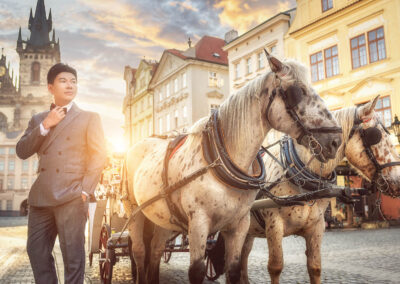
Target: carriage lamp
[{"x": 396, "y": 127}]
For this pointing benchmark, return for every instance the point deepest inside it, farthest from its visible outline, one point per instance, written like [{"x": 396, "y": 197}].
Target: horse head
[
  {"x": 296, "y": 109},
  {"x": 371, "y": 151}
]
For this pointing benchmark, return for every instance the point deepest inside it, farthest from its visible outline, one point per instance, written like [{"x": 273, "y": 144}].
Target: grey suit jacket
[{"x": 71, "y": 156}]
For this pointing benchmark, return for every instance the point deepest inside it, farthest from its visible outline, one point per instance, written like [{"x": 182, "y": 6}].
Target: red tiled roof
[
  {"x": 207, "y": 49},
  {"x": 176, "y": 52},
  {"x": 209, "y": 46}
]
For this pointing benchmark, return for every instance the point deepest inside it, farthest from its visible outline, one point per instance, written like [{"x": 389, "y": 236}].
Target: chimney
[{"x": 230, "y": 36}]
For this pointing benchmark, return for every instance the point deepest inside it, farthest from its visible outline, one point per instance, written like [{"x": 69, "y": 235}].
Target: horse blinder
[{"x": 371, "y": 136}]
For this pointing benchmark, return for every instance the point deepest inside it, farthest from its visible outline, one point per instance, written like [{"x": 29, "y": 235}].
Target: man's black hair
[{"x": 57, "y": 69}]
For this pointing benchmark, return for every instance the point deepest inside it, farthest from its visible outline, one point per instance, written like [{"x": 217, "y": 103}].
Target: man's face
[{"x": 64, "y": 88}]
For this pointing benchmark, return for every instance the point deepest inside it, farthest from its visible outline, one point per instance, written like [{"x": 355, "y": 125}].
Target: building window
[
  {"x": 10, "y": 183},
  {"x": 273, "y": 49},
  {"x": 24, "y": 183},
  {"x": 11, "y": 165},
  {"x": 160, "y": 125},
  {"x": 1, "y": 166},
  {"x": 9, "y": 205},
  {"x": 168, "y": 122},
  {"x": 176, "y": 85},
  {"x": 11, "y": 151},
  {"x": 35, "y": 72},
  {"x": 212, "y": 79},
  {"x": 248, "y": 66},
  {"x": 384, "y": 110},
  {"x": 376, "y": 45},
  {"x": 326, "y": 5},
  {"x": 317, "y": 67},
  {"x": 260, "y": 60},
  {"x": 2, "y": 151},
  {"x": 167, "y": 91},
  {"x": 184, "y": 83},
  {"x": 237, "y": 71},
  {"x": 176, "y": 118},
  {"x": 213, "y": 108},
  {"x": 358, "y": 51},
  {"x": 331, "y": 61},
  {"x": 160, "y": 96},
  {"x": 25, "y": 166}
]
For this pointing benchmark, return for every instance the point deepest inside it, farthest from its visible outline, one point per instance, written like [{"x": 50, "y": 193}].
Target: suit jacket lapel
[{"x": 71, "y": 115}]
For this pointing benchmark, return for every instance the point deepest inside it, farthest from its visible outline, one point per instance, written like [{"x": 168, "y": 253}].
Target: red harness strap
[{"x": 177, "y": 147}]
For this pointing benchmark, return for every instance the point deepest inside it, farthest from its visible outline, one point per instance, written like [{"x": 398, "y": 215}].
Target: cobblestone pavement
[{"x": 351, "y": 256}]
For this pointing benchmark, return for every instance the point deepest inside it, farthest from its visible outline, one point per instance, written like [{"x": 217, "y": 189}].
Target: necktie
[{"x": 54, "y": 105}]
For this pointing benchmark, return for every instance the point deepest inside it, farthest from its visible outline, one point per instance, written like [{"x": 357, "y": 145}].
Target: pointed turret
[
  {"x": 53, "y": 40},
  {"x": 50, "y": 21},
  {"x": 19, "y": 41},
  {"x": 30, "y": 20}
]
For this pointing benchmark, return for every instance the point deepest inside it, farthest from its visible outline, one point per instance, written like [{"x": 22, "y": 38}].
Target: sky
[{"x": 100, "y": 37}]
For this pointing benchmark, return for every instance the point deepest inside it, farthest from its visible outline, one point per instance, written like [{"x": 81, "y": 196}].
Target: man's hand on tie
[{"x": 54, "y": 117}]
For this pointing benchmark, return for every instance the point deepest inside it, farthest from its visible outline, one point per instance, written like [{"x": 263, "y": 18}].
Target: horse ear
[
  {"x": 274, "y": 63},
  {"x": 366, "y": 111}
]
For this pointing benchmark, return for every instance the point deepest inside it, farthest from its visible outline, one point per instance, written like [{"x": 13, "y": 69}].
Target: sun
[{"x": 119, "y": 146}]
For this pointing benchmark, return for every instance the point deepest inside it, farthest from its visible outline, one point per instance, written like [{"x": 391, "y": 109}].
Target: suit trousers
[{"x": 68, "y": 222}]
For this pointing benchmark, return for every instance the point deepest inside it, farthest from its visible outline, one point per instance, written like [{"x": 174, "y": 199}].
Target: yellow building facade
[
  {"x": 138, "y": 103},
  {"x": 351, "y": 48}
]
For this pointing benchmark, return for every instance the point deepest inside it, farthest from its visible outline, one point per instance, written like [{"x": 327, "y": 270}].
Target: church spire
[
  {"x": 39, "y": 26},
  {"x": 19, "y": 41},
  {"x": 50, "y": 21}
]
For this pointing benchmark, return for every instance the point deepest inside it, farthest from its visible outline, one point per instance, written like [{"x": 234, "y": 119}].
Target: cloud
[{"x": 244, "y": 15}]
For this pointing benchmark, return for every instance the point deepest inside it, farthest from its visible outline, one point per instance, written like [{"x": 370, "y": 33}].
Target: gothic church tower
[{"x": 37, "y": 54}]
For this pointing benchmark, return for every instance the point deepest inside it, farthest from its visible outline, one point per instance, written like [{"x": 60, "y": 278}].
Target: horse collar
[{"x": 214, "y": 149}]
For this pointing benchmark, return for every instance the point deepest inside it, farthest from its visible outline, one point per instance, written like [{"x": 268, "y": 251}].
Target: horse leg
[
  {"x": 274, "y": 236},
  {"x": 199, "y": 227},
  {"x": 234, "y": 239},
  {"x": 160, "y": 236},
  {"x": 247, "y": 246},
  {"x": 136, "y": 227},
  {"x": 313, "y": 252}
]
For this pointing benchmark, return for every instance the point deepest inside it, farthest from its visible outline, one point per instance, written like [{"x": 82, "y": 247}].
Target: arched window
[{"x": 35, "y": 78}]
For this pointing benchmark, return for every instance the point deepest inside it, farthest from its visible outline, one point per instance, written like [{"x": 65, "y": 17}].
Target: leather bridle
[
  {"x": 305, "y": 131},
  {"x": 378, "y": 180}
]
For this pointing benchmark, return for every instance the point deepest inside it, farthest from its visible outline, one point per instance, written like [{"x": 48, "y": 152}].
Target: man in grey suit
[{"x": 70, "y": 145}]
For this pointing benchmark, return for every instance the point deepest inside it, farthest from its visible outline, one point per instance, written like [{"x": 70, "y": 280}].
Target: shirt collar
[{"x": 68, "y": 106}]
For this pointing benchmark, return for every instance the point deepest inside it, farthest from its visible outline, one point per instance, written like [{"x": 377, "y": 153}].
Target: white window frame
[{"x": 184, "y": 82}]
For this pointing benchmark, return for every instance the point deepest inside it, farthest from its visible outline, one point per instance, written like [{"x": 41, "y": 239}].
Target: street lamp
[{"x": 396, "y": 127}]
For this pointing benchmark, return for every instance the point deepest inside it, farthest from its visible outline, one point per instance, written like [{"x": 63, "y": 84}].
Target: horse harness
[
  {"x": 291, "y": 97},
  {"x": 296, "y": 172},
  {"x": 369, "y": 137}
]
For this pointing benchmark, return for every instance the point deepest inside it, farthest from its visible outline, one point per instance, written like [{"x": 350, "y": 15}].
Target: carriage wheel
[
  {"x": 167, "y": 256},
  {"x": 105, "y": 256},
  {"x": 133, "y": 263},
  {"x": 210, "y": 270}
]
